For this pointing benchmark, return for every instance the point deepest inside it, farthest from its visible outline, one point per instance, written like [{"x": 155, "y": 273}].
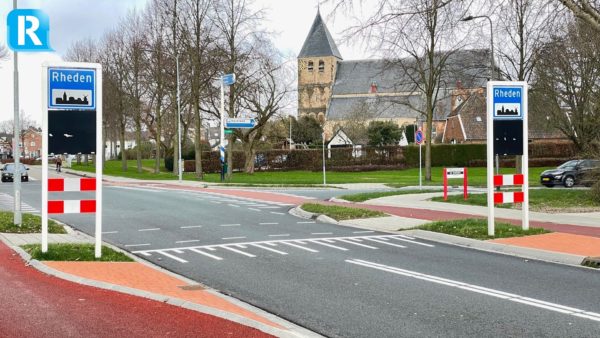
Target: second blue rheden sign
[{"x": 508, "y": 103}]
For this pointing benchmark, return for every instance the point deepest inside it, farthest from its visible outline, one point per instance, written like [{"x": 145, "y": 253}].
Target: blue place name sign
[
  {"x": 71, "y": 88},
  {"x": 508, "y": 102}
]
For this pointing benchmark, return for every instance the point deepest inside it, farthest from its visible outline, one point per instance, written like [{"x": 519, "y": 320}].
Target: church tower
[{"x": 317, "y": 65}]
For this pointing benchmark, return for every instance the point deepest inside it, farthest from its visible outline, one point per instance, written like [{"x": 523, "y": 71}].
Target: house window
[
  {"x": 321, "y": 66},
  {"x": 32, "y": 144},
  {"x": 311, "y": 65}
]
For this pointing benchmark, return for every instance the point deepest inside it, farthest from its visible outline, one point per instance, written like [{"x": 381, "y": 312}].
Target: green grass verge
[
  {"x": 74, "y": 252},
  {"x": 477, "y": 229},
  {"x": 371, "y": 195},
  {"x": 539, "y": 200},
  {"x": 30, "y": 224},
  {"x": 341, "y": 213},
  {"x": 397, "y": 178}
]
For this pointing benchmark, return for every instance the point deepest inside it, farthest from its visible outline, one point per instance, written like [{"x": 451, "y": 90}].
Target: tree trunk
[
  {"x": 518, "y": 164},
  {"x": 198, "y": 140},
  {"x": 250, "y": 154},
  {"x": 429, "y": 125},
  {"x": 138, "y": 141},
  {"x": 176, "y": 147},
  {"x": 157, "y": 146},
  {"x": 123, "y": 154}
]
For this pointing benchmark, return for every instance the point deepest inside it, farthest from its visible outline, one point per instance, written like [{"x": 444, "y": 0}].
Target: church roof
[{"x": 319, "y": 41}]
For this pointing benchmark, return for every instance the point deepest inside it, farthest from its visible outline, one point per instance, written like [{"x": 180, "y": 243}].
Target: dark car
[
  {"x": 9, "y": 169},
  {"x": 571, "y": 173}
]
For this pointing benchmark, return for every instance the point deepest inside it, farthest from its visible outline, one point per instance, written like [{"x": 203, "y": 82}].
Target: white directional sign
[{"x": 232, "y": 122}]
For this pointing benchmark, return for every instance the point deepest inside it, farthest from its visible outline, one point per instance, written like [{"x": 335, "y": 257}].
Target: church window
[
  {"x": 310, "y": 66},
  {"x": 321, "y": 66}
]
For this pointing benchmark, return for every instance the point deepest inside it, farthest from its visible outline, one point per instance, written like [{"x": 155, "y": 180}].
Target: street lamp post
[
  {"x": 492, "y": 64},
  {"x": 16, "y": 138}
]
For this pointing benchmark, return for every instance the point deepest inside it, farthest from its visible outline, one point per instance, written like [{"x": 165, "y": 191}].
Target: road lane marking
[
  {"x": 238, "y": 251},
  {"x": 363, "y": 232},
  {"x": 306, "y": 222},
  {"x": 206, "y": 254},
  {"x": 191, "y": 227},
  {"x": 234, "y": 205},
  {"x": 188, "y": 241},
  {"x": 230, "y": 225},
  {"x": 321, "y": 233},
  {"x": 351, "y": 242},
  {"x": 413, "y": 241},
  {"x": 299, "y": 247},
  {"x": 269, "y": 249},
  {"x": 270, "y": 207},
  {"x": 269, "y": 223},
  {"x": 279, "y": 235},
  {"x": 277, "y": 213},
  {"x": 136, "y": 245},
  {"x": 254, "y": 209},
  {"x": 481, "y": 290},
  {"x": 180, "y": 260},
  {"x": 109, "y": 232},
  {"x": 149, "y": 229},
  {"x": 329, "y": 245},
  {"x": 386, "y": 243},
  {"x": 239, "y": 237}
]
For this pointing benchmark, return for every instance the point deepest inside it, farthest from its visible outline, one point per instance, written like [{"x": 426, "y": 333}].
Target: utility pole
[{"x": 16, "y": 137}]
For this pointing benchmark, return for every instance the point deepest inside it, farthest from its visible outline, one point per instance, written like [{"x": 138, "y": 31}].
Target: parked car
[
  {"x": 9, "y": 169},
  {"x": 571, "y": 173}
]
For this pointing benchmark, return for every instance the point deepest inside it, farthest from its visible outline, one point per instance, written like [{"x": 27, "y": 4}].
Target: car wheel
[
  {"x": 569, "y": 182},
  {"x": 549, "y": 185}
]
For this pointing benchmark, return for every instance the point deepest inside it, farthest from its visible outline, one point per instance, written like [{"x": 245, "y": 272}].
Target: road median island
[
  {"x": 80, "y": 252},
  {"x": 477, "y": 229},
  {"x": 340, "y": 213},
  {"x": 31, "y": 224}
]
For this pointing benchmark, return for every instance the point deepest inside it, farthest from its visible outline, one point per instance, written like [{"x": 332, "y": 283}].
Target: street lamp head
[{"x": 468, "y": 18}]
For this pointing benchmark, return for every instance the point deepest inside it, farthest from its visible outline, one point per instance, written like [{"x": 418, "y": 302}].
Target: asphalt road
[{"x": 340, "y": 281}]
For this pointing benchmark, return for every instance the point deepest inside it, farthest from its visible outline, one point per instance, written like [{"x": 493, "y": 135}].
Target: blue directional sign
[
  {"x": 71, "y": 88},
  {"x": 233, "y": 123},
  {"x": 508, "y": 103},
  {"x": 228, "y": 79}
]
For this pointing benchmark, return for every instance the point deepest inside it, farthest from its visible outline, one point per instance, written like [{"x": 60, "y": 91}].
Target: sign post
[
  {"x": 419, "y": 141},
  {"x": 226, "y": 80},
  {"x": 455, "y": 173},
  {"x": 72, "y": 123},
  {"x": 507, "y": 127}
]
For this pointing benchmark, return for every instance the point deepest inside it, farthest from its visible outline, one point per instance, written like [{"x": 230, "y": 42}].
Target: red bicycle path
[
  {"x": 34, "y": 304},
  {"x": 424, "y": 214}
]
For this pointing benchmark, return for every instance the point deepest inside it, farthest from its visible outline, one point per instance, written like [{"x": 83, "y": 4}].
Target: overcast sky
[{"x": 72, "y": 20}]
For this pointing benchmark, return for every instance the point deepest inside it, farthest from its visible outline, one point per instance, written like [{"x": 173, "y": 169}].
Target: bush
[
  {"x": 595, "y": 192},
  {"x": 458, "y": 155}
]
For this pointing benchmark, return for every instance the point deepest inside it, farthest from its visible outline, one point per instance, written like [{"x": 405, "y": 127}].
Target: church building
[{"x": 336, "y": 91}]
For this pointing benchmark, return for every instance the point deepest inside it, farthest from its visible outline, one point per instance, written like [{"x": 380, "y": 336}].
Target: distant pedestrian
[{"x": 58, "y": 163}]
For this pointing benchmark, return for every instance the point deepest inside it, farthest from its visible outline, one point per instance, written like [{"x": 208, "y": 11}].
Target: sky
[{"x": 73, "y": 20}]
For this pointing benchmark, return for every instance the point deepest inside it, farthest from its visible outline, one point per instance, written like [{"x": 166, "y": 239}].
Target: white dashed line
[
  {"x": 254, "y": 209},
  {"x": 362, "y": 232},
  {"x": 280, "y": 235},
  {"x": 149, "y": 229},
  {"x": 277, "y": 213},
  {"x": 240, "y": 237},
  {"x": 109, "y": 232},
  {"x": 136, "y": 245},
  {"x": 269, "y": 249},
  {"x": 306, "y": 222},
  {"x": 238, "y": 251},
  {"x": 269, "y": 223},
  {"x": 188, "y": 241},
  {"x": 180, "y": 260},
  {"x": 234, "y": 205},
  {"x": 206, "y": 254},
  {"x": 191, "y": 227},
  {"x": 321, "y": 233},
  {"x": 230, "y": 225}
]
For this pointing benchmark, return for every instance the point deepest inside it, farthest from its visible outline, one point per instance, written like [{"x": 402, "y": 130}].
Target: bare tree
[
  {"x": 567, "y": 87},
  {"x": 586, "y": 10},
  {"x": 82, "y": 51},
  {"x": 3, "y": 52},
  {"x": 419, "y": 37}
]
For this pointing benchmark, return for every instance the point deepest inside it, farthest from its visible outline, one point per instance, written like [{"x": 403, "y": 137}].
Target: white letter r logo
[{"x": 22, "y": 30}]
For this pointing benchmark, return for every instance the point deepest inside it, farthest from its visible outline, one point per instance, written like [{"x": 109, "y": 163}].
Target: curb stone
[
  {"x": 294, "y": 330},
  {"x": 298, "y": 212}
]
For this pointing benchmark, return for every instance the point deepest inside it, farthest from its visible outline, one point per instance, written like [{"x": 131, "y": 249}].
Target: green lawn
[
  {"x": 30, "y": 224},
  {"x": 477, "y": 229},
  {"x": 74, "y": 252},
  {"x": 539, "y": 199},
  {"x": 396, "y": 178},
  {"x": 340, "y": 213},
  {"x": 371, "y": 195}
]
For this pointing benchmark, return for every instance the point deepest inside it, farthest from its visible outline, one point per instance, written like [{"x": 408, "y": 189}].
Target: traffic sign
[
  {"x": 419, "y": 136},
  {"x": 71, "y": 88},
  {"x": 228, "y": 131},
  {"x": 232, "y": 122},
  {"x": 228, "y": 79},
  {"x": 508, "y": 102}
]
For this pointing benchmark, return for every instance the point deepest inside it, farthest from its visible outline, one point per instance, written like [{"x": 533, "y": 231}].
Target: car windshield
[
  {"x": 569, "y": 164},
  {"x": 11, "y": 168}
]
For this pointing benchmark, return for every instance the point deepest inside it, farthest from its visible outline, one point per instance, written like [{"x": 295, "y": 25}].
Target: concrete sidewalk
[{"x": 143, "y": 279}]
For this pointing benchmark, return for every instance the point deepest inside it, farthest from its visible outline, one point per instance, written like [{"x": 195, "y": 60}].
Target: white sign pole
[
  {"x": 99, "y": 150},
  {"x": 490, "y": 158},
  {"x": 525, "y": 159},
  {"x": 420, "y": 168},
  {"x": 44, "y": 158}
]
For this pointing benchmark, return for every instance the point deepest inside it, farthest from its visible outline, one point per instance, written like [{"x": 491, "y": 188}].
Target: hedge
[{"x": 376, "y": 158}]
